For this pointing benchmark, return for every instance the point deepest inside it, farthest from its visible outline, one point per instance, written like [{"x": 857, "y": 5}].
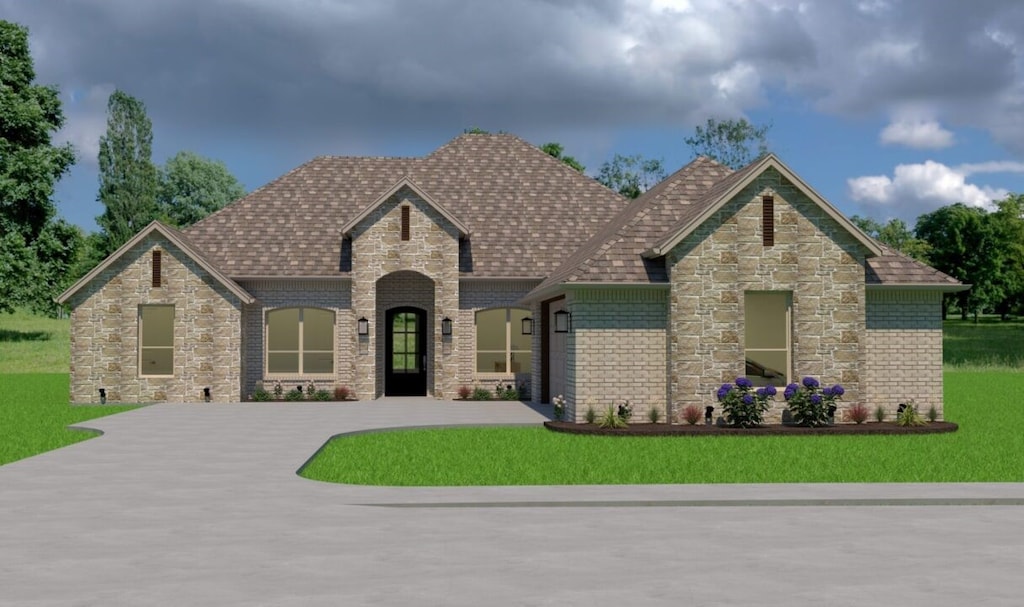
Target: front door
[{"x": 406, "y": 353}]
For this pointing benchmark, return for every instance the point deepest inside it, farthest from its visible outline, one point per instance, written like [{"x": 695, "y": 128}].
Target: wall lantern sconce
[
  {"x": 527, "y": 326},
  {"x": 206, "y": 394},
  {"x": 563, "y": 321},
  {"x": 103, "y": 396},
  {"x": 446, "y": 326},
  {"x": 709, "y": 414},
  {"x": 363, "y": 327}
]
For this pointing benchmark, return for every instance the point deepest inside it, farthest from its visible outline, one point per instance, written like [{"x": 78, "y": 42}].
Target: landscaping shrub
[
  {"x": 293, "y": 395},
  {"x": 590, "y": 416},
  {"x": 879, "y": 413},
  {"x": 810, "y": 403},
  {"x": 625, "y": 411},
  {"x": 260, "y": 395},
  {"x": 342, "y": 393},
  {"x": 558, "y": 403},
  {"x": 908, "y": 415},
  {"x": 857, "y": 413},
  {"x": 506, "y": 392},
  {"x": 611, "y": 419},
  {"x": 933, "y": 414},
  {"x": 654, "y": 415},
  {"x": 481, "y": 394},
  {"x": 744, "y": 407},
  {"x": 322, "y": 395},
  {"x": 278, "y": 390},
  {"x": 465, "y": 392},
  {"x": 691, "y": 414}
]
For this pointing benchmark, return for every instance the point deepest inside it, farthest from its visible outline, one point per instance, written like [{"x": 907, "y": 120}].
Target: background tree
[
  {"x": 30, "y": 166},
  {"x": 1007, "y": 224},
  {"x": 734, "y": 143},
  {"x": 128, "y": 178},
  {"x": 556, "y": 150},
  {"x": 631, "y": 176},
  {"x": 896, "y": 234},
  {"x": 192, "y": 187}
]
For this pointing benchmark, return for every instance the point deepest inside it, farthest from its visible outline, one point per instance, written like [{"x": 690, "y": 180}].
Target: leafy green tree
[
  {"x": 556, "y": 150},
  {"x": 896, "y": 234},
  {"x": 631, "y": 176},
  {"x": 1007, "y": 223},
  {"x": 192, "y": 187},
  {"x": 128, "y": 178},
  {"x": 734, "y": 143},
  {"x": 30, "y": 166}
]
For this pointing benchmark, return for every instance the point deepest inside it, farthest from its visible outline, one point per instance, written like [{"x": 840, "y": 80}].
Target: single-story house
[{"x": 490, "y": 262}]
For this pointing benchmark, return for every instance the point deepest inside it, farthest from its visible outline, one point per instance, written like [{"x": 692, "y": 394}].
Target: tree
[
  {"x": 896, "y": 234},
  {"x": 192, "y": 187},
  {"x": 128, "y": 178},
  {"x": 556, "y": 149},
  {"x": 631, "y": 176},
  {"x": 1007, "y": 223},
  {"x": 30, "y": 166},
  {"x": 734, "y": 143}
]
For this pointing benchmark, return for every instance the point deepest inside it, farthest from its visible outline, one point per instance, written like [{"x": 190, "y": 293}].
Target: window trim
[
  {"x": 301, "y": 352},
  {"x": 508, "y": 351},
  {"x": 140, "y": 348}
]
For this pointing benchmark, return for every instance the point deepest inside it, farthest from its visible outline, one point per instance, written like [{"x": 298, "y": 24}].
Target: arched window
[
  {"x": 501, "y": 346},
  {"x": 300, "y": 341}
]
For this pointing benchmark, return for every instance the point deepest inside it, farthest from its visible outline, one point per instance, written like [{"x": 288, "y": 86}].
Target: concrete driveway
[{"x": 200, "y": 505}]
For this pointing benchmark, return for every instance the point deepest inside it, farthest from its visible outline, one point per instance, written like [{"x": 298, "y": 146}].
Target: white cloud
[
  {"x": 85, "y": 121},
  {"x": 928, "y": 185},
  {"x": 919, "y": 134}
]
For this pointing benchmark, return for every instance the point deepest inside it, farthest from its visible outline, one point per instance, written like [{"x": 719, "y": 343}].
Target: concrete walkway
[{"x": 200, "y": 505}]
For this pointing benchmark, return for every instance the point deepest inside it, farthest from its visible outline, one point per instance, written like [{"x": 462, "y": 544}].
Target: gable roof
[
  {"x": 523, "y": 212},
  {"x": 177, "y": 239},
  {"x": 404, "y": 182}
]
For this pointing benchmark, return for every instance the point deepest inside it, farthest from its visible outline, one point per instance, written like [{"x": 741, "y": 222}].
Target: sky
[{"x": 888, "y": 108}]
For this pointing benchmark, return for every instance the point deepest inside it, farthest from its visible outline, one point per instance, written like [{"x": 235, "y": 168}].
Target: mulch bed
[{"x": 766, "y": 430}]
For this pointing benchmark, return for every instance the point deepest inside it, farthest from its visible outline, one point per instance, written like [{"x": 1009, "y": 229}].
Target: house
[{"x": 489, "y": 262}]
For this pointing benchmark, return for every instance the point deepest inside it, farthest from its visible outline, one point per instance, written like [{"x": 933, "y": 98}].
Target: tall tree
[
  {"x": 894, "y": 233},
  {"x": 734, "y": 143},
  {"x": 30, "y": 166},
  {"x": 631, "y": 176},
  {"x": 1007, "y": 223},
  {"x": 192, "y": 187},
  {"x": 128, "y": 178},
  {"x": 556, "y": 150}
]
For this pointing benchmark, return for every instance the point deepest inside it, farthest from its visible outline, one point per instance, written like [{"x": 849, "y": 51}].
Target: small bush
[
  {"x": 857, "y": 414},
  {"x": 322, "y": 395},
  {"x": 879, "y": 414},
  {"x": 311, "y": 391},
  {"x": 465, "y": 392},
  {"x": 744, "y": 407},
  {"x": 558, "y": 403},
  {"x": 611, "y": 419},
  {"x": 260, "y": 395},
  {"x": 810, "y": 403},
  {"x": 342, "y": 393},
  {"x": 506, "y": 392},
  {"x": 908, "y": 415},
  {"x": 654, "y": 415},
  {"x": 691, "y": 414},
  {"x": 481, "y": 394},
  {"x": 933, "y": 414},
  {"x": 590, "y": 416},
  {"x": 293, "y": 396},
  {"x": 625, "y": 411},
  {"x": 278, "y": 390}
]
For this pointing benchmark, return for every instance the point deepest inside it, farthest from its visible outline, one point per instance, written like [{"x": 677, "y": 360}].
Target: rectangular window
[
  {"x": 156, "y": 340},
  {"x": 767, "y": 333},
  {"x": 768, "y": 220},
  {"x": 501, "y": 346},
  {"x": 300, "y": 341},
  {"x": 405, "y": 222}
]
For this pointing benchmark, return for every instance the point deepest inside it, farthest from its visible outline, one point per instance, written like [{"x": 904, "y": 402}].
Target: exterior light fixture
[
  {"x": 563, "y": 322},
  {"x": 527, "y": 326},
  {"x": 206, "y": 394},
  {"x": 709, "y": 414},
  {"x": 103, "y": 396},
  {"x": 446, "y": 326},
  {"x": 363, "y": 327}
]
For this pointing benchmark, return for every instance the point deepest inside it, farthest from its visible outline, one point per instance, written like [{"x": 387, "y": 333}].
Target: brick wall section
[
  {"x": 476, "y": 295},
  {"x": 813, "y": 257},
  {"x": 904, "y": 344},
  {"x": 331, "y": 295},
  {"x": 617, "y": 350},
  {"x": 377, "y": 250},
  {"x": 105, "y": 331}
]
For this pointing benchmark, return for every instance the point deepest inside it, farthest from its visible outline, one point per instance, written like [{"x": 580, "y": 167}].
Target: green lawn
[
  {"x": 34, "y": 415},
  {"x": 989, "y": 406},
  {"x": 989, "y": 344},
  {"x": 33, "y": 344}
]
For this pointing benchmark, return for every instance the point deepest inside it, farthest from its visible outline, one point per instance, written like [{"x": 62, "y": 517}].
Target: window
[
  {"x": 501, "y": 346},
  {"x": 300, "y": 341},
  {"x": 156, "y": 340},
  {"x": 767, "y": 337}
]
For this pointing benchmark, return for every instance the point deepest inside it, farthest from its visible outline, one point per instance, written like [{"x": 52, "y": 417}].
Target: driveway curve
[{"x": 200, "y": 505}]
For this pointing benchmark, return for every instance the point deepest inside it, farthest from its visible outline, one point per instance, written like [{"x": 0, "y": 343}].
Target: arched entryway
[{"x": 405, "y": 357}]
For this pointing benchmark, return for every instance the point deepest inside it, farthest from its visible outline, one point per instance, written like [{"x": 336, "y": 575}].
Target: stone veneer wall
[
  {"x": 904, "y": 345},
  {"x": 475, "y": 295},
  {"x": 617, "y": 350},
  {"x": 334, "y": 295},
  {"x": 378, "y": 250},
  {"x": 105, "y": 331},
  {"x": 813, "y": 257}
]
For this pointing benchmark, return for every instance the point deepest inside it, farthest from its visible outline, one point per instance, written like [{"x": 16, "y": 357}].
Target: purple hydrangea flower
[
  {"x": 815, "y": 399},
  {"x": 770, "y": 390},
  {"x": 743, "y": 382},
  {"x": 838, "y": 390},
  {"x": 748, "y": 399},
  {"x": 791, "y": 391},
  {"x": 761, "y": 393},
  {"x": 724, "y": 391},
  {"x": 826, "y": 391},
  {"x": 810, "y": 382}
]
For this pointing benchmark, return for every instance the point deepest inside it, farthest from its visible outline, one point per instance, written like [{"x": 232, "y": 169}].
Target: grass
[
  {"x": 34, "y": 415},
  {"x": 989, "y": 406},
  {"x": 988, "y": 345},
  {"x": 34, "y": 344}
]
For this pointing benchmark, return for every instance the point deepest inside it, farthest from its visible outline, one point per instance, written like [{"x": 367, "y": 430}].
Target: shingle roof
[
  {"x": 525, "y": 210},
  {"x": 895, "y": 268}
]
